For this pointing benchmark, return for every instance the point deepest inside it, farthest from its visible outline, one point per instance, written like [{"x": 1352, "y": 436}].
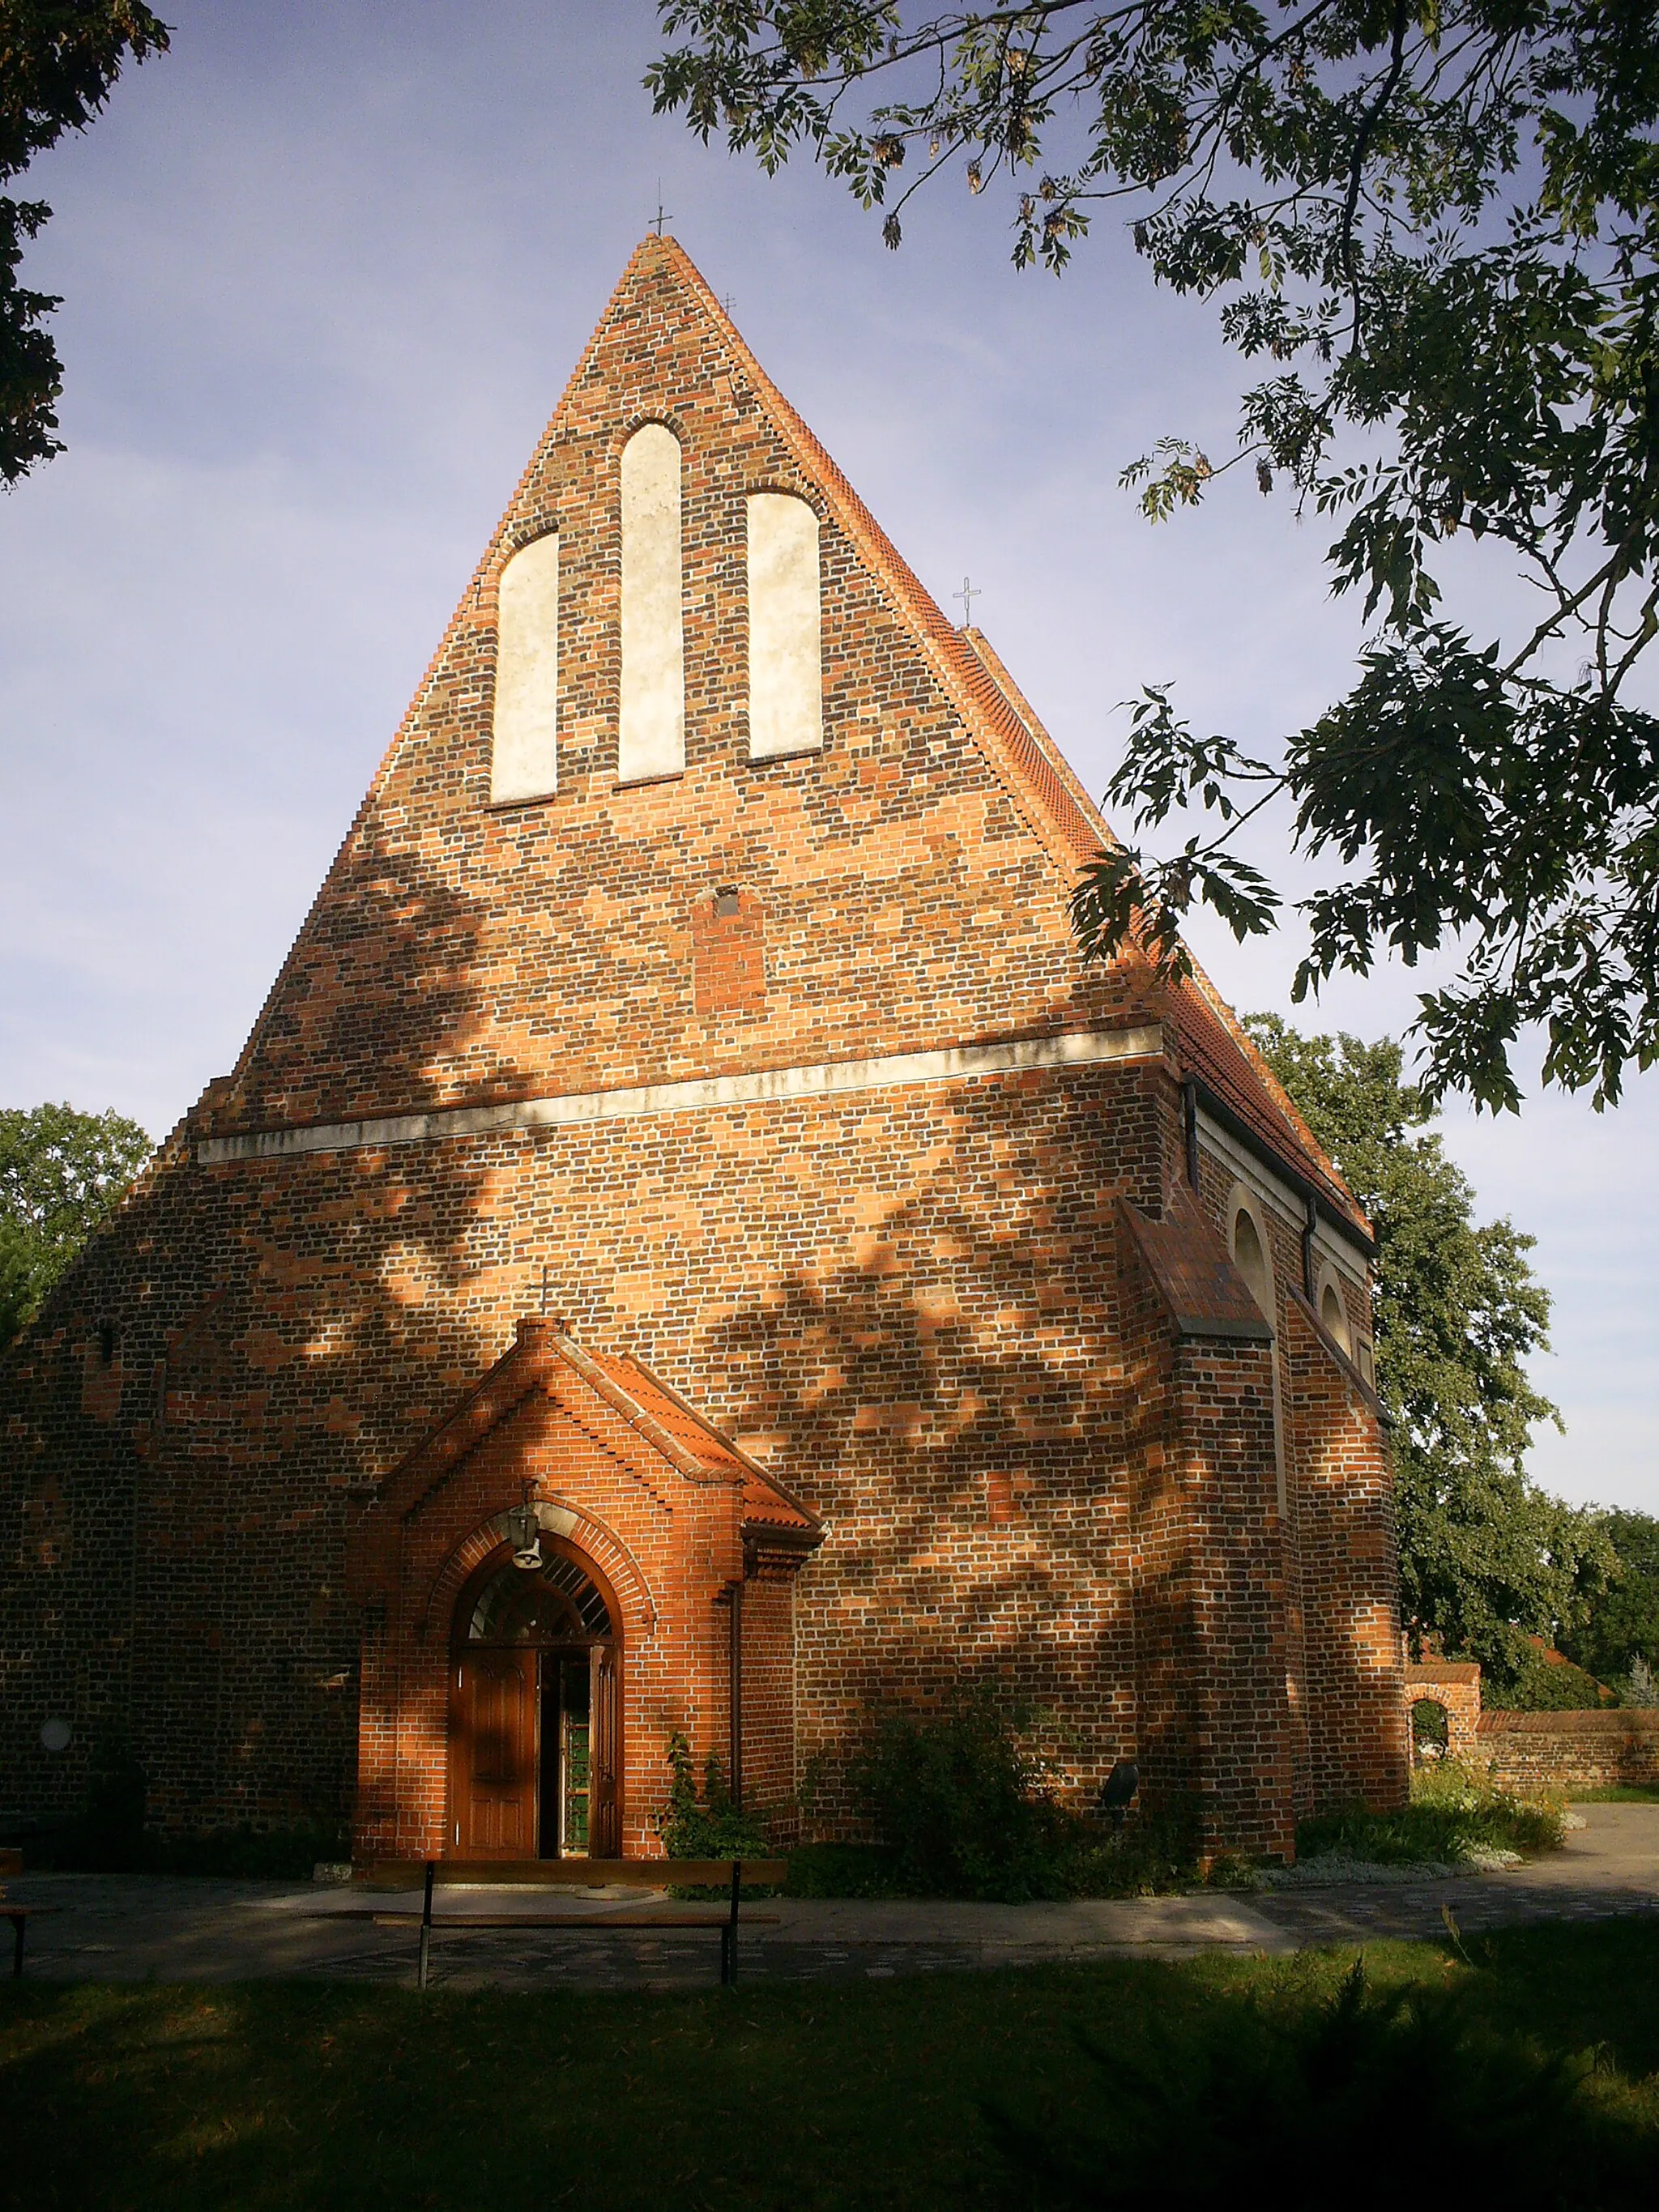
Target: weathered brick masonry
[
  {"x": 1531, "y": 1752},
  {"x": 783, "y": 1079}
]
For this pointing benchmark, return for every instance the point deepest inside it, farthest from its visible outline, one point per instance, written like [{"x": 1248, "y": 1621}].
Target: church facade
[{"x": 687, "y": 1245}]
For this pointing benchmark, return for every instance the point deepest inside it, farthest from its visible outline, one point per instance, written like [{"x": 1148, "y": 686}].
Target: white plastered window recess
[
  {"x": 786, "y": 651},
  {"x": 651, "y": 731},
  {"x": 1247, "y": 1242},
  {"x": 1333, "y": 1311},
  {"x": 524, "y": 757}
]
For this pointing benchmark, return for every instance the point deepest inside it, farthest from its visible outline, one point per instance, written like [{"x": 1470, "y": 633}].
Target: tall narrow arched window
[
  {"x": 1251, "y": 1256},
  {"x": 652, "y": 737},
  {"x": 786, "y": 664},
  {"x": 524, "y": 760},
  {"x": 1247, "y": 1240},
  {"x": 1334, "y": 1316}
]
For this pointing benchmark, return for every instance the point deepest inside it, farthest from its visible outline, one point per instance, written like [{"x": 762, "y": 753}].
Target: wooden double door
[{"x": 533, "y": 1740}]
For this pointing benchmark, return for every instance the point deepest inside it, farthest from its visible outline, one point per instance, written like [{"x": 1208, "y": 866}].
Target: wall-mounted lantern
[{"x": 523, "y": 1529}]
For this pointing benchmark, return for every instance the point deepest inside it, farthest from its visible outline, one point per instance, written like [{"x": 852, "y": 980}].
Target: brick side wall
[
  {"x": 1348, "y": 1720},
  {"x": 1225, "y": 1430},
  {"x": 1358, "y": 1744},
  {"x": 769, "y": 1699},
  {"x": 1165, "y": 1716},
  {"x": 1208, "y": 1589}
]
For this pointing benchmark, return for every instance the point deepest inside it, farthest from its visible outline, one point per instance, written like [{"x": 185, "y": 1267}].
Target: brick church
[{"x": 688, "y": 1245}]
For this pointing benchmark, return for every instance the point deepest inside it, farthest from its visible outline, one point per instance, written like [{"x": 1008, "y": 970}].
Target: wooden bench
[
  {"x": 19, "y": 1916},
  {"x": 569, "y": 1873}
]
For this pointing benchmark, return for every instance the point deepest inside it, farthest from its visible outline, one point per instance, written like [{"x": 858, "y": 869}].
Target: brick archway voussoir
[{"x": 600, "y": 1542}]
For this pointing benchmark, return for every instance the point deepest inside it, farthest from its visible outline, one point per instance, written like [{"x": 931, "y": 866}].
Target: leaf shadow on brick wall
[
  {"x": 284, "y": 1331},
  {"x": 951, "y": 1397}
]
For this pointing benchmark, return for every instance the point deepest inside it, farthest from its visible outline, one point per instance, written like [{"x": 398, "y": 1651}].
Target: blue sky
[{"x": 326, "y": 268}]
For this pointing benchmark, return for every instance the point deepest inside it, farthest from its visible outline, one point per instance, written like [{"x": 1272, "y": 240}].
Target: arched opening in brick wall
[
  {"x": 1430, "y": 1731},
  {"x": 535, "y": 1709}
]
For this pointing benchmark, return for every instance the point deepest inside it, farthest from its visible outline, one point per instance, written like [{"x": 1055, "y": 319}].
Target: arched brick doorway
[{"x": 535, "y": 1709}]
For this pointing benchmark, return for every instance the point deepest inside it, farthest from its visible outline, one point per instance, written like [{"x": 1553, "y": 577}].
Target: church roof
[
  {"x": 1193, "y": 1274},
  {"x": 765, "y": 1501}
]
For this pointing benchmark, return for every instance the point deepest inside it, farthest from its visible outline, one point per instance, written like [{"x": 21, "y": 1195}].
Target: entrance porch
[{"x": 552, "y": 1583}]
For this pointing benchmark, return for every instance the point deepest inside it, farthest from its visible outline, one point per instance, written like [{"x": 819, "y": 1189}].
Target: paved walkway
[{"x": 115, "y": 1927}]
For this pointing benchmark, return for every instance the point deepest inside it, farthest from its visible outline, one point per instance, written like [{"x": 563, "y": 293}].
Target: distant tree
[
  {"x": 1545, "y": 1683},
  {"x": 1620, "y": 1637},
  {"x": 58, "y": 59},
  {"x": 61, "y": 1175},
  {"x": 1432, "y": 231},
  {"x": 1486, "y": 1558}
]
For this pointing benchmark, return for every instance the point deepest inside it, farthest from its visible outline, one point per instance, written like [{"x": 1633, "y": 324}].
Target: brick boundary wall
[
  {"x": 1455, "y": 1684},
  {"x": 1572, "y": 1751}
]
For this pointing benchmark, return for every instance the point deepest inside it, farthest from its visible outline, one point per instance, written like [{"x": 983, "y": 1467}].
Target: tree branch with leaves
[
  {"x": 58, "y": 62},
  {"x": 1434, "y": 228}
]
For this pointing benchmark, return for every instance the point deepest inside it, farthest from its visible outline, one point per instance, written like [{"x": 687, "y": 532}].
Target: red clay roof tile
[{"x": 762, "y": 1499}]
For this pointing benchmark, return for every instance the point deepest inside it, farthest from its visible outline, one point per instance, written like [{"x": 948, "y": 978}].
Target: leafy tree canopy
[
  {"x": 1430, "y": 227},
  {"x": 61, "y": 1175},
  {"x": 1486, "y": 1558},
  {"x": 58, "y": 59},
  {"x": 1622, "y": 1627}
]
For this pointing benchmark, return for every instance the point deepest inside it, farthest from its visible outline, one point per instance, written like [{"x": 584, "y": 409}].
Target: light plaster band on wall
[
  {"x": 786, "y": 664},
  {"x": 1280, "y": 1198},
  {"x": 524, "y": 760},
  {"x": 651, "y": 740},
  {"x": 826, "y": 1080}
]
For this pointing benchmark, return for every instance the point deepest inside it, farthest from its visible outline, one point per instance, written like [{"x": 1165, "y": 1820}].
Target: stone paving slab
[{"x": 122, "y": 1928}]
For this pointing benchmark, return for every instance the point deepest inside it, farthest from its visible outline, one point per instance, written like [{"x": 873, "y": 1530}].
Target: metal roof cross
[{"x": 967, "y": 594}]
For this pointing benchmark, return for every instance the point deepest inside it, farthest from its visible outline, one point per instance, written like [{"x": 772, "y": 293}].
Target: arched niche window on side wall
[
  {"x": 785, "y": 654},
  {"x": 1333, "y": 1314},
  {"x": 1248, "y": 1239},
  {"x": 652, "y": 728},
  {"x": 524, "y": 760}
]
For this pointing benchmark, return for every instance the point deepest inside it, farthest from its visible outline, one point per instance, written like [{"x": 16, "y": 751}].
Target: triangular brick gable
[
  {"x": 397, "y": 925},
  {"x": 595, "y": 1389},
  {"x": 987, "y": 711}
]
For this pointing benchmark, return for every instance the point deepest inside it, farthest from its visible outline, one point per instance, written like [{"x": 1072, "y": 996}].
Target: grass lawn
[{"x": 815, "y": 2098}]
